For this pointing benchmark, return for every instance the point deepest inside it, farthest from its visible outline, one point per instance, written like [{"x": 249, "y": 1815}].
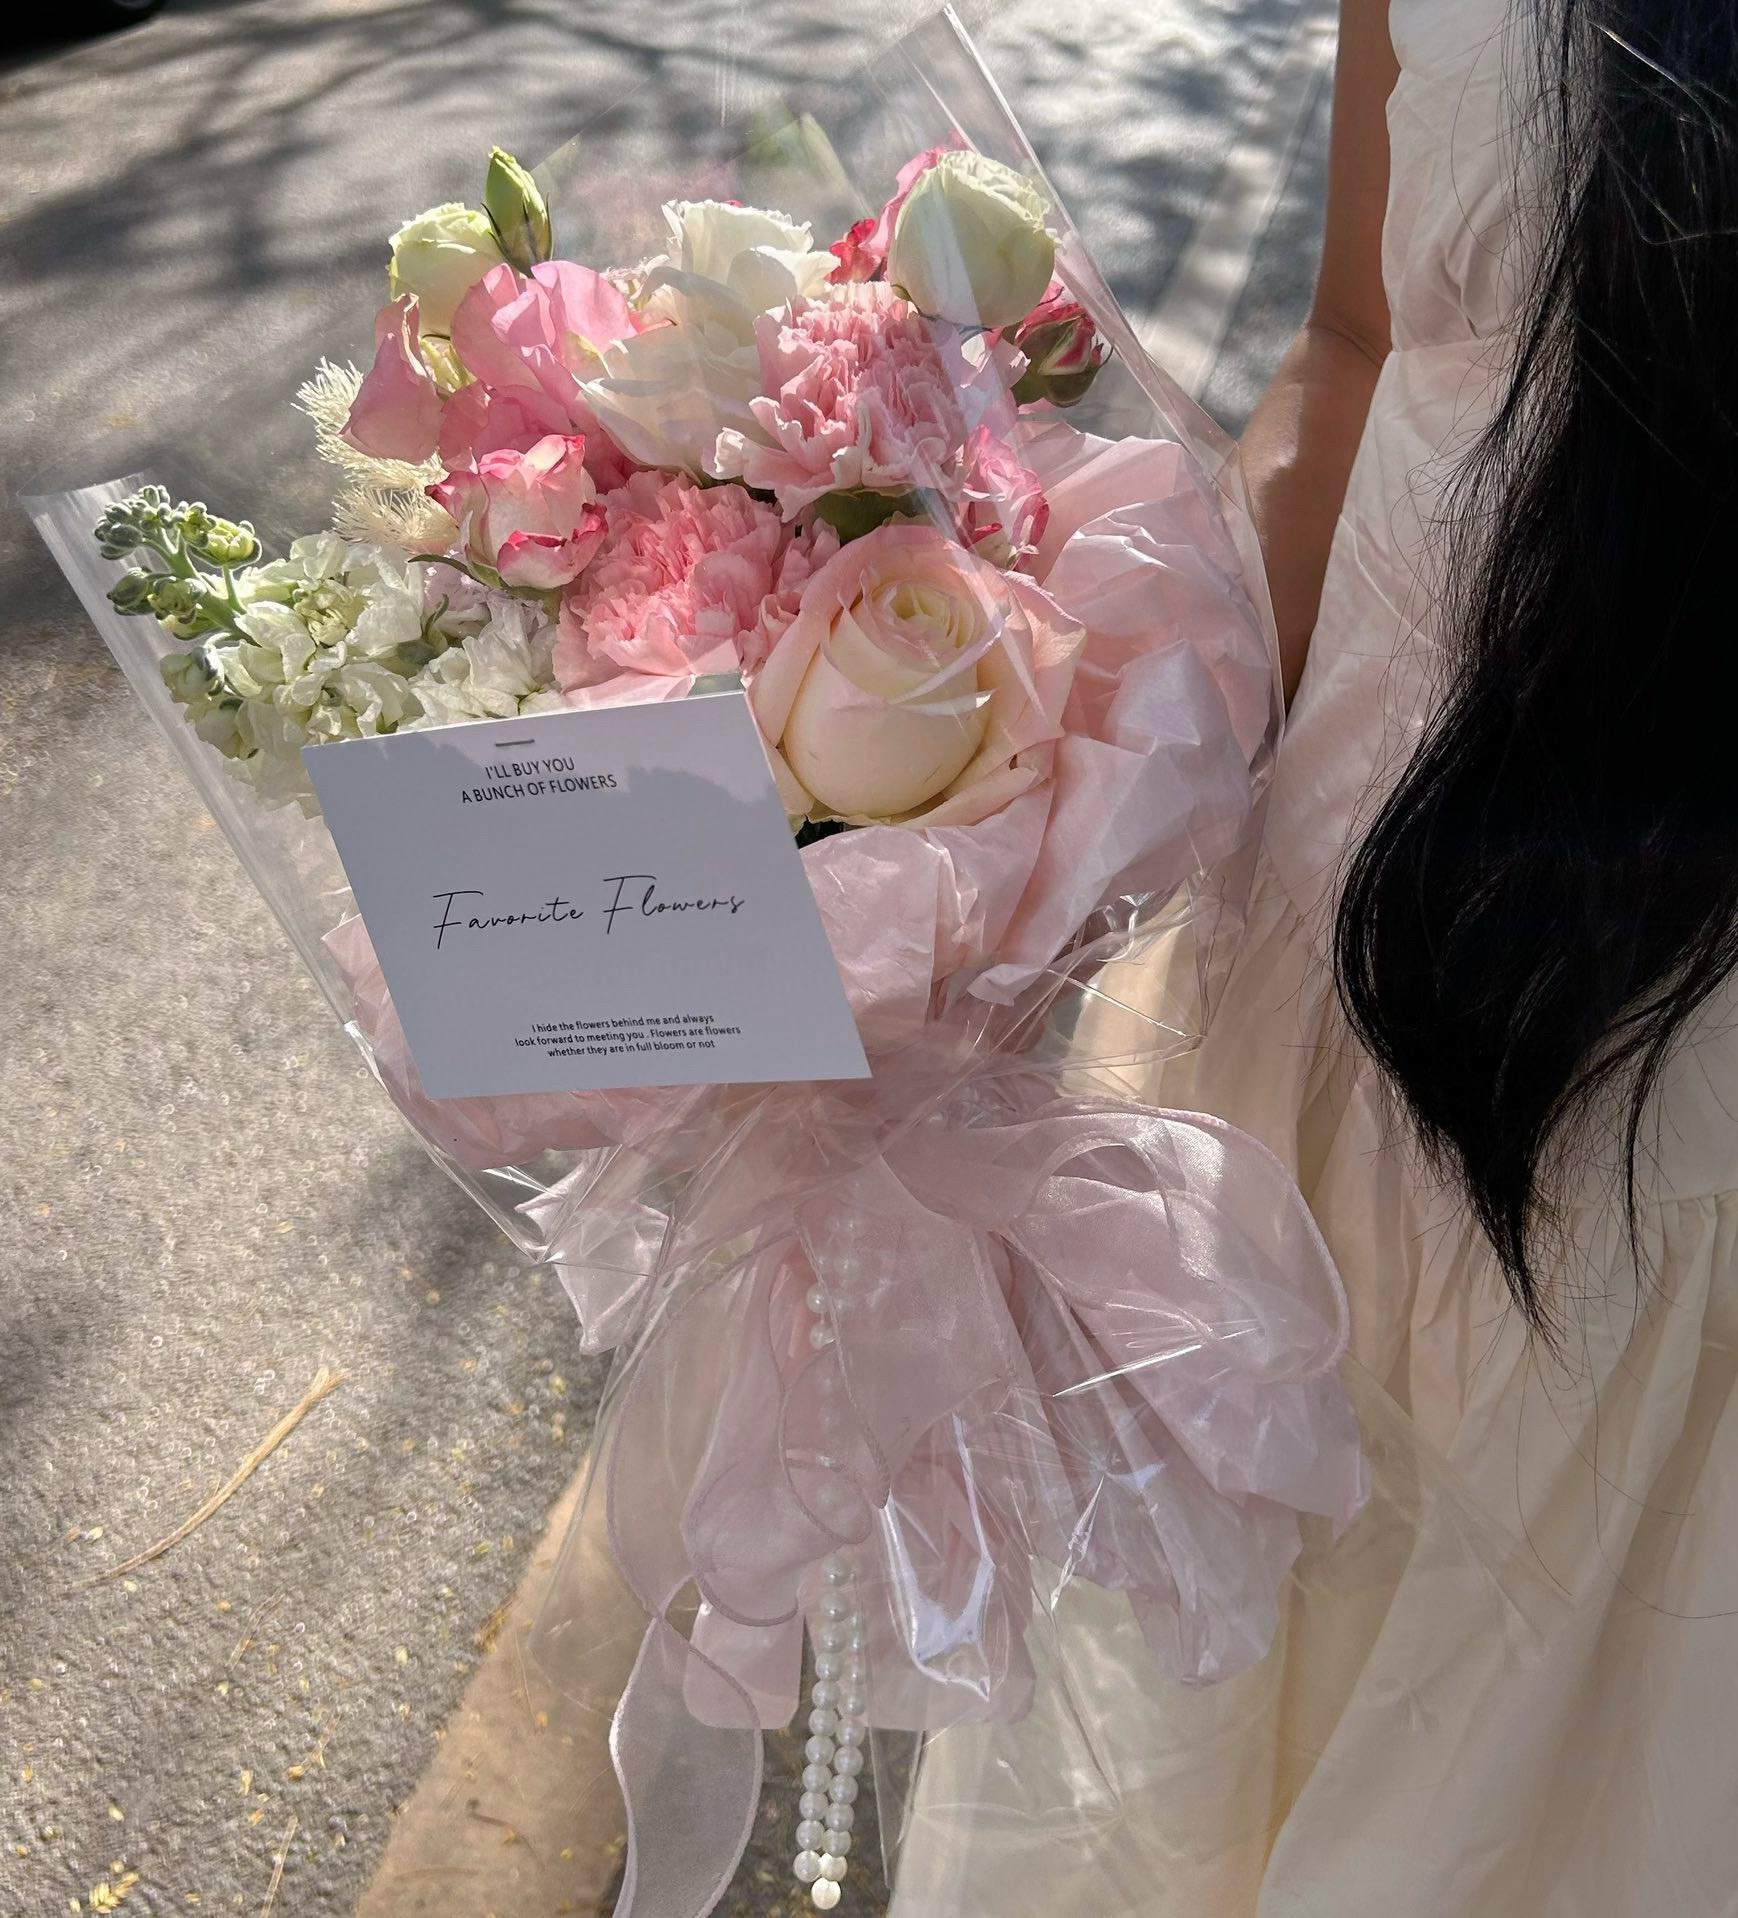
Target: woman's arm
[{"x": 1300, "y": 441}]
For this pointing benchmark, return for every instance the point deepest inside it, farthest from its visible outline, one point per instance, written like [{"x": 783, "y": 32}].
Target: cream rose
[
  {"x": 970, "y": 244},
  {"x": 916, "y": 685},
  {"x": 439, "y": 256}
]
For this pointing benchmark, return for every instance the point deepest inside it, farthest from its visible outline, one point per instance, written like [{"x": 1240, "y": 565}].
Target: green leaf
[{"x": 855, "y": 513}]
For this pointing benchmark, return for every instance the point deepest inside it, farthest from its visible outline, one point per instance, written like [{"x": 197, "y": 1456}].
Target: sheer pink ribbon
[{"x": 1076, "y": 1334}]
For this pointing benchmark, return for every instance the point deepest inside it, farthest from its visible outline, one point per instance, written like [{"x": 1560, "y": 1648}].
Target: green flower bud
[
  {"x": 179, "y": 604},
  {"x": 517, "y": 211},
  {"x": 131, "y": 593},
  {"x": 136, "y": 521},
  {"x": 116, "y": 534},
  {"x": 223, "y": 542}
]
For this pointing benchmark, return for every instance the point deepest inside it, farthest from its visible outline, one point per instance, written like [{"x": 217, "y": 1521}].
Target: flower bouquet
[{"x": 849, "y": 423}]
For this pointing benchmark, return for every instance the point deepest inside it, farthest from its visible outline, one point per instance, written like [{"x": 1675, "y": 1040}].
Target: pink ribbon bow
[{"x": 1071, "y": 1331}]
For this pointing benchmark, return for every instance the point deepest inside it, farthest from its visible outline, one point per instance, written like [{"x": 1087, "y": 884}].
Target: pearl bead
[
  {"x": 825, "y": 1694},
  {"x": 813, "y": 1804},
  {"x": 830, "y": 1638},
  {"x": 841, "y": 1817},
  {"x": 843, "y": 1791},
  {"x": 823, "y": 1723},
  {"x": 816, "y": 1777},
  {"x": 807, "y": 1866},
  {"x": 847, "y": 1761},
  {"x": 834, "y": 1609},
  {"x": 828, "y": 1665},
  {"x": 853, "y": 1704},
  {"x": 821, "y": 1335},
  {"x": 819, "y": 1750},
  {"x": 835, "y": 1843},
  {"x": 850, "y": 1731},
  {"x": 836, "y": 1572},
  {"x": 855, "y": 1672},
  {"x": 824, "y": 1894},
  {"x": 858, "y": 1641},
  {"x": 812, "y": 1835},
  {"x": 846, "y": 1266},
  {"x": 816, "y": 1299},
  {"x": 833, "y": 1868}
]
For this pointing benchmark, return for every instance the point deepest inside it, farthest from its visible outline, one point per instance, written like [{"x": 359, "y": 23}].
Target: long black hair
[{"x": 1550, "y": 892}]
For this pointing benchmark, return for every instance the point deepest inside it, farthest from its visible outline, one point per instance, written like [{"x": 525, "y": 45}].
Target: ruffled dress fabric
[{"x": 1422, "y": 1741}]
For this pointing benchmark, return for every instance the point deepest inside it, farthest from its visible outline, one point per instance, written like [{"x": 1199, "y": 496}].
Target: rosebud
[
  {"x": 517, "y": 212},
  {"x": 1062, "y": 348},
  {"x": 439, "y": 256},
  {"x": 970, "y": 244}
]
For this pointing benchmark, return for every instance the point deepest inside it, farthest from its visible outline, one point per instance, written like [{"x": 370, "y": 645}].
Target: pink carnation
[
  {"x": 855, "y": 394},
  {"x": 688, "y": 580}
]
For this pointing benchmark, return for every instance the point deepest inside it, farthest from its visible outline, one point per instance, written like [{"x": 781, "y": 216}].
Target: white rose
[
  {"x": 667, "y": 393},
  {"x": 970, "y": 244},
  {"x": 766, "y": 260},
  {"x": 439, "y": 256}
]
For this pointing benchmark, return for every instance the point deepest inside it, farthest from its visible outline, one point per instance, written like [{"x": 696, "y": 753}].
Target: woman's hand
[{"x": 1303, "y": 435}]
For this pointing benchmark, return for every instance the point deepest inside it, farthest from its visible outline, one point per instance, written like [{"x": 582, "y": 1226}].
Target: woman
[{"x": 1484, "y": 1008}]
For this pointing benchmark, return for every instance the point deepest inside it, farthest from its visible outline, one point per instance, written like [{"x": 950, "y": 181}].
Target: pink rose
[
  {"x": 1004, "y": 511},
  {"x": 856, "y": 395},
  {"x": 916, "y": 685},
  {"x": 526, "y": 344},
  {"x": 530, "y": 517},
  {"x": 862, "y": 253},
  {"x": 397, "y": 412},
  {"x": 689, "y": 579}
]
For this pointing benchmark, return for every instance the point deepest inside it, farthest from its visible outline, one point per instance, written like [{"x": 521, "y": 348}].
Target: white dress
[{"x": 1438, "y": 1735}]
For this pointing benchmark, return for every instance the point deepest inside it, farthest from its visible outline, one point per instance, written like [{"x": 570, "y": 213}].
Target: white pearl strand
[
  {"x": 838, "y": 1722},
  {"x": 839, "y": 1732}
]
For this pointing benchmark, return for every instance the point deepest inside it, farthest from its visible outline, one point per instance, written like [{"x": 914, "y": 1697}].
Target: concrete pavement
[{"x": 203, "y": 1199}]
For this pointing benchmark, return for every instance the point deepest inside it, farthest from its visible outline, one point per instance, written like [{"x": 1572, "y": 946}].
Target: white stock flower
[
  {"x": 494, "y": 674},
  {"x": 328, "y": 642}
]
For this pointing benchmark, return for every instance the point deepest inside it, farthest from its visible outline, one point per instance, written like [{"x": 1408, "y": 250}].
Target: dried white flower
[{"x": 382, "y": 502}]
